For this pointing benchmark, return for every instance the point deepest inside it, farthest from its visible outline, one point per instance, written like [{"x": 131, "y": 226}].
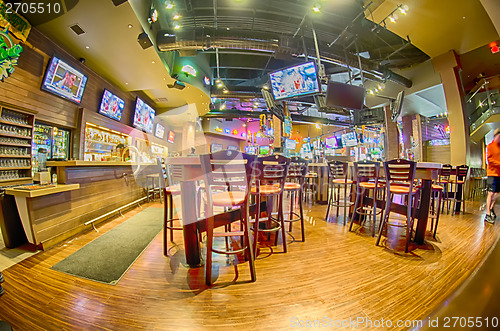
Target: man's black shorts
[{"x": 494, "y": 184}]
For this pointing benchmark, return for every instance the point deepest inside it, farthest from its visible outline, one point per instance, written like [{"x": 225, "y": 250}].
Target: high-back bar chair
[
  {"x": 366, "y": 174},
  {"x": 400, "y": 176},
  {"x": 338, "y": 179},
  {"x": 231, "y": 170},
  {"x": 461, "y": 173},
  {"x": 173, "y": 174},
  {"x": 269, "y": 181}
]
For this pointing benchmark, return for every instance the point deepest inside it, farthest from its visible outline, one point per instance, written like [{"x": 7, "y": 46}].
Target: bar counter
[{"x": 85, "y": 191}]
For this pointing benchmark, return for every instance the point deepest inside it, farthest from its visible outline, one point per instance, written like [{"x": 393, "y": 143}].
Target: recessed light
[
  {"x": 87, "y": 47},
  {"x": 176, "y": 16},
  {"x": 153, "y": 62},
  {"x": 126, "y": 83},
  {"x": 130, "y": 26},
  {"x": 177, "y": 27},
  {"x": 227, "y": 29}
]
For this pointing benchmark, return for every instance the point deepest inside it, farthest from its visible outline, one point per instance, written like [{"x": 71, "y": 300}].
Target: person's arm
[{"x": 491, "y": 159}]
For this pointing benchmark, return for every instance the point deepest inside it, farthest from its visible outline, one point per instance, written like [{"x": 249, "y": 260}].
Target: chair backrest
[
  {"x": 337, "y": 169},
  {"x": 270, "y": 170},
  {"x": 174, "y": 173},
  {"x": 400, "y": 172},
  {"x": 366, "y": 170},
  {"x": 297, "y": 169},
  {"x": 230, "y": 169},
  {"x": 462, "y": 171},
  {"x": 445, "y": 171}
]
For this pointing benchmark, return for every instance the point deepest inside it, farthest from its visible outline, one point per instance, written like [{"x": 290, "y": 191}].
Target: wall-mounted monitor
[
  {"x": 331, "y": 142},
  {"x": 144, "y": 116},
  {"x": 296, "y": 81},
  {"x": 264, "y": 150},
  {"x": 290, "y": 144},
  {"x": 111, "y": 106},
  {"x": 251, "y": 149},
  {"x": 160, "y": 131},
  {"x": 215, "y": 148},
  {"x": 64, "y": 81},
  {"x": 339, "y": 142},
  {"x": 347, "y": 96},
  {"x": 349, "y": 139},
  {"x": 171, "y": 136},
  {"x": 232, "y": 148}
]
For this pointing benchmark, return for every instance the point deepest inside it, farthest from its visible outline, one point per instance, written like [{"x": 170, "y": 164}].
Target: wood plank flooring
[{"x": 334, "y": 275}]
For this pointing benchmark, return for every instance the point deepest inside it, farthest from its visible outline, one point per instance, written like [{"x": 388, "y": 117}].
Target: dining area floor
[{"x": 334, "y": 277}]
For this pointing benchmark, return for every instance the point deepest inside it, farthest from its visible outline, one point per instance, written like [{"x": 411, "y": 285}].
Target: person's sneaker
[
  {"x": 493, "y": 214},
  {"x": 489, "y": 219},
  {"x": 1, "y": 278}
]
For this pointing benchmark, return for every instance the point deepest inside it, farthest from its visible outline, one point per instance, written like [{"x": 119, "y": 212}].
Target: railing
[{"x": 483, "y": 101}]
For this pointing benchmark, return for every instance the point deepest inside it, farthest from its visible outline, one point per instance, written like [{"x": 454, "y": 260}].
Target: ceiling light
[
  {"x": 130, "y": 26},
  {"x": 126, "y": 83},
  {"x": 371, "y": 92},
  {"x": 153, "y": 62},
  {"x": 176, "y": 16},
  {"x": 393, "y": 18},
  {"x": 177, "y": 27},
  {"x": 169, "y": 4},
  {"x": 403, "y": 9},
  {"x": 316, "y": 8},
  {"x": 219, "y": 85},
  {"x": 265, "y": 87},
  {"x": 87, "y": 47},
  {"x": 227, "y": 29},
  {"x": 225, "y": 91},
  {"x": 317, "y": 126}
]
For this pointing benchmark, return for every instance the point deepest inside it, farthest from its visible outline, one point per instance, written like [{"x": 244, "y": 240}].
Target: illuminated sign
[
  {"x": 9, "y": 54},
  {"x": 235, "y": 132},
  {"x": 206, "y": 80},
  {"x": 227, "y": 131},
  {"x": 189, "y": 70},
  {"x": 218, "y": 129}
]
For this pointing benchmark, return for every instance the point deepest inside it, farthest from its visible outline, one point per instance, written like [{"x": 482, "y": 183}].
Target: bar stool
[
  {"x": 366, "y": 174},
  {"x": 400, "y": 175},
  {"x": 338, "y": 178},
  {"x": 294, "y": 186},
  {"x": 437, "y": 192},
  {"x": 153, "y": 189},
  {"x": 444, "y": 181},
  {"x": 174, "y": 174},
  {"x": 269, "y": 171},
  {"x": 311, "y": 179},
  {"x": 461, "y": 173},
  {"x": 232, "y": 170}
]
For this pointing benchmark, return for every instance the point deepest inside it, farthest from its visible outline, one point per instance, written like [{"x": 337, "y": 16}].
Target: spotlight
[
  {"x": 176, "y": 16},
  {"x": 317, "y": 126},
  {"x": 393, "y": 18},
  {"x": 169, "y": 4},
  {"x": 225, "y": 91},
  {"x": 403, "y": 9},
  {"x": 316, "y": 8},
  {"x": 177, "y": 84},
  {"x": 177, "y": 27}
]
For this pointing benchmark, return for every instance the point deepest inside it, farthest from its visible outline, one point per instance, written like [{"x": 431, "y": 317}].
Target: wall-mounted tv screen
[
  {"x": 215, "y": 148},
  {"x": 339, "y": 142},
  {"x": 144, "y": 116},
  {"x": 111, "y": 106},
  {"x": 251, "y": 149},
  {"x": 264, "y": 150},
  {"x": 290, "y": 144},
  {"x": 349, "y": 139},
  {"x": 63, "y": 80},
  {"x": 331, "y": 142},
  {"x": 171, "y": 136},
  {"x": 299, "y": 80},
  {"x": 232, "y": 148},
  {"x": 160, "y": 131},
  {"x": 345, "y": 96}
]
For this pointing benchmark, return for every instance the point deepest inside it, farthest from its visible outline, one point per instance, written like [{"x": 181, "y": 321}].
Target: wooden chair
[
  {"x": 443, "y": 180},
  {"x": 232, "y": 170},
  {"x": 366, "y": 174},
  {"x": 338, "y": 178},
  {"x": 400, "y": 176},
  {"x": 173, "y": 174},
  {"x": 461, "y": 173},
  {"x": 269, "y": 177}
]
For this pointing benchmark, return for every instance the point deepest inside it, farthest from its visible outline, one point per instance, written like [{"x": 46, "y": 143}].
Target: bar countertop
[
  {"x": 43, "y": 191},
  {"x": 81, "y": 163}
]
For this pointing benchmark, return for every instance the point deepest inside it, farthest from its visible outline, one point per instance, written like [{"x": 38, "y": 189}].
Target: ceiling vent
[
  {"x": 159, "y": 100},
  {"x": 77, "y": 29}
]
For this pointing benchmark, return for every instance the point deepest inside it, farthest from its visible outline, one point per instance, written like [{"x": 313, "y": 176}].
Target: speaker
[
  {"x": 144, "y": 40},
  {"x": 118, "y": 2}
]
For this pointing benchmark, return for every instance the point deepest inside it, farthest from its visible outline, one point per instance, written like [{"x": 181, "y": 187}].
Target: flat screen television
[
  {"x": 296, "y": 81},
  {"x": 251, "y": 149},
  {"x": 347, "y": 96},
  {"x": 144, "y": 116},
  {"x": 331, "y": 142},
  {"x": 215, "y": 148},
  {"x": 111, "y": 106},
  {"x": 64, "y": 81},
  {"x": 171, "y": 136},
  {"x": 349, "y": 139},
  {"x": 290, "y": 144},
  {"x": 339, "y": 142},
  {"x": 264, "y": 150},
  {"x": 160, "y": 131}
]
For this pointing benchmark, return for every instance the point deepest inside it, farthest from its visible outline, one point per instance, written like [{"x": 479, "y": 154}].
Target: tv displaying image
[
  {"x": 290, "y": 144},
  {"x": 171, "y": 136},
  {"x": 144, "y": 116},
  {"x": 160, "y": 131},
  {"x": 232, "y": 148},
  {"x": 64, "y": 81},
  {"x": 111, "y": 106},
  {"x": 331, "y": 142},
  {"x": 349, "y": 139},
  {"x": 251, "y": 149},
  {"x": 347, "y": 96},
  {"x": 215, "y": 148},
  {"x": 299, "y": 80},
  {"x": 264, "y": 150}
]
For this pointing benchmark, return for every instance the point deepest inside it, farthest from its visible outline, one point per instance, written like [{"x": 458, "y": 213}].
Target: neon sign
[{"x": 9, "y": 54}]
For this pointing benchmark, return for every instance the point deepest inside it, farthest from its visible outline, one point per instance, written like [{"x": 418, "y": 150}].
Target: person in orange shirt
[{"x": 493, "y": 177}]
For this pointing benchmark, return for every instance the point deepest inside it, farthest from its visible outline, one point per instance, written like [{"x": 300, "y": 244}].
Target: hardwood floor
[{"x": 334, "y": 275}]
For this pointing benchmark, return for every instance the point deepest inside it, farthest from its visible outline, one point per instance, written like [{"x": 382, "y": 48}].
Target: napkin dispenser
[{"x": 42, "y": 177}]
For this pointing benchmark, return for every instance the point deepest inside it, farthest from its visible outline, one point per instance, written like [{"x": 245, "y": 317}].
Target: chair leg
[
  {"x": 292, "y": 196},
  {"x": 330, "y": 199},
  {"x": 248, "y": 241},
  {"x": 208, "y": 263},
  {"x": 345, "y": 203},
  {"x": 374, "y": 211},
  {"x": 384, "y": 219},
  {"x": 165, "y": 230},
  {"x": 171, "y": 212},
  {"x": 302, "y": 223},
  {"x": 282, "y": 222},
  {"x": 256, "y": 225},
  {"x": 409, "y": 217},
  {"x": 356, "y": 206},
  {"x": 437, "y": 214},
  {"x": 337, "y": 202}
]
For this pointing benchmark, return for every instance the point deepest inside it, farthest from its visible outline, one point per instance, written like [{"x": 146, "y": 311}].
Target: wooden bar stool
[
  {"x": 461, "y": 173},
  {"x": 338, "y": 179},
  {"x": 366, "y": 174},
  {"x": 294, "y": 185},
  {"x": 232, "y": 170},
  {"x": 269, "y": 177},
  {"x": 311, "y": 179},
  {"x": 400, "y": 175},
  {"x": 153, "y": 187},
  {"x": 444, "y": 175},
  {"x": 174, "y": 174}
]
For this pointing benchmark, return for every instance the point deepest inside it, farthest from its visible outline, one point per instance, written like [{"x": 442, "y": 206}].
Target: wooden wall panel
[{"x": 438, "y": 154}]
